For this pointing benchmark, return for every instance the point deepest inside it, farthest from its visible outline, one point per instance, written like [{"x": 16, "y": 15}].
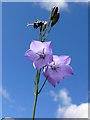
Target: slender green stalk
[
  {"x": 47, "y": 27},
  {"x": 47, "y": 34},
  {"x": 34, "y": 109},
  {"x": 40, "y": 36},
  {"x": 42, "y": 87},
  {"x": 36, "y": 93}
]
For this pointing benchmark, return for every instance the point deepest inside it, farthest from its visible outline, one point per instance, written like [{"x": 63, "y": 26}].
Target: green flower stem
[
  {"x": 36, "y": 93},
  {"x": 40, "y": 36},
  {"x": 47, "y": 27},
  {"x": 46, "y": 30},
  {"x": 42, "y": 87},
  {"x": 47, "y": 34}
]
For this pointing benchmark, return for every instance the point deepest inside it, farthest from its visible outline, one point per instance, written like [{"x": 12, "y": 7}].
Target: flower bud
[
  {"x": 55, "y": 19},
  {"x": 54, "y": 12}
]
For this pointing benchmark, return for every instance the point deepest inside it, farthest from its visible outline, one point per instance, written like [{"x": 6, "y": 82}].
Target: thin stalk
[
  {"x": 36, "y": 93},
  {"x": 40, "y": 36},
  {"x": 47, "y": 34},
  {"x": 42, "y": 87},
  {"x": 47, "y": 27},
  {"x": 35, "y": 103}
]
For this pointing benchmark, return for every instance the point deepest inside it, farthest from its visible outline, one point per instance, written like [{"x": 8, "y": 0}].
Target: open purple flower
[
  {"x": 40, "y": 53},
  {"x": 58, "y": 69}
]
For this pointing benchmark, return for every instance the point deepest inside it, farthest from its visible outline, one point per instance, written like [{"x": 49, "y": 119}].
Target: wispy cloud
[
  {"x": 66, "y": 109},
  {"x": 62, "y": 96},
  {"x": 49, "y": 4},
  {"x": 54, "y": 95},
  {"x": 62, "y": 4},
  {"x": 12, "y": 104},
  {"x": 5, "y": 94}
]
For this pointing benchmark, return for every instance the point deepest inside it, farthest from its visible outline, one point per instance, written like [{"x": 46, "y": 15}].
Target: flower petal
[
  {"x": 56, "y": 60},
  {"x": 36, "y": 46},
  {"x": 39, "y": 63},
  {"x": 59, "y": 60},
  {"x": 42, "y": 62},
  {"x": 65, "y": 59},
  {"x": 65, "y": 70},
  {"x": 53, "y": 74},
  {"x": 31, "y": 55},
  {"x": 48, "y": 47},
  {"x": 52, "y": 81},
  {"x": 45, "y": 71},
  {"x": 48, "y": 58}
]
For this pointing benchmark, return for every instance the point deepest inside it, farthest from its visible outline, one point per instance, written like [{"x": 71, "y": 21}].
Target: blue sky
[{"x": 69, "y": 37}]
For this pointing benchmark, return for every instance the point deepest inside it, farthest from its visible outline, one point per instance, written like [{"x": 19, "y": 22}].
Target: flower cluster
[{"x": 54, "y": 67}]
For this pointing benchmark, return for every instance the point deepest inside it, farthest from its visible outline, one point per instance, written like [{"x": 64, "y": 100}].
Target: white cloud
[
  {"x": 54, "y": 95},
  {"x": 10, "y": 102},
  {"x": 49, "y": 4},
  {"x": 61, "y": 96},
  {"x": 5, "y": 94},
  {"x": 73, "y": 111},
  {"x": 66, "y": 109},
  {"x": 62, "y": 4}
]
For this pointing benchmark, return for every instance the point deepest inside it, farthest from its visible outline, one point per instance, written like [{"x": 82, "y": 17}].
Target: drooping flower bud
[
  {"x": 54, "y": 12},
  {"x": 55, "y": 19}
]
